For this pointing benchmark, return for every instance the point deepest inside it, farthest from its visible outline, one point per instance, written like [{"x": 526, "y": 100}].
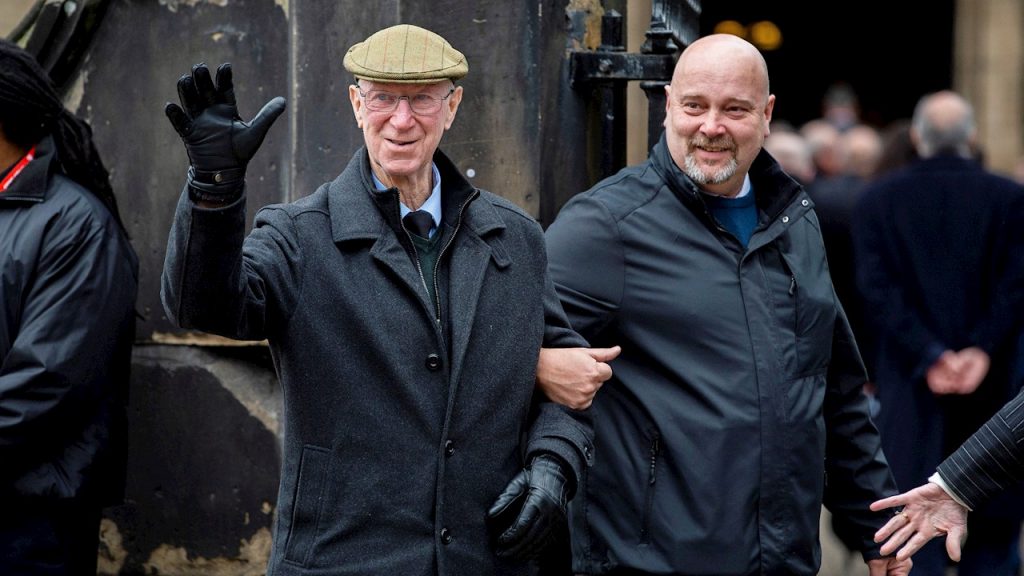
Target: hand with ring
[{"x": 928, "y": 511}]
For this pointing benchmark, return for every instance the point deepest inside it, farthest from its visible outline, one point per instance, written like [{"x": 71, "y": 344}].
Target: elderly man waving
[{"x": 405, "y": 310}]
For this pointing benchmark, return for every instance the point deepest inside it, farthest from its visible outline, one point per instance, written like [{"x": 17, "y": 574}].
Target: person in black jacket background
[
  {"x": 68, "y": 280},
  {"x": 940, "y": 263}
]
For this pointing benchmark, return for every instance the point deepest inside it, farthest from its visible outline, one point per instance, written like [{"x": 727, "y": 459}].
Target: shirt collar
[
  {"x": 433, "y": 203},
  {"x": 745, "y": 189}
]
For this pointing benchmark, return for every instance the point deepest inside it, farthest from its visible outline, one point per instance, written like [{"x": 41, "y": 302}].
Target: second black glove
[{"x": 527, "y": 515}]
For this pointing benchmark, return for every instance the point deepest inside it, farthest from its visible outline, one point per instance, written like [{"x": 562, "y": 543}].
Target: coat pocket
[
  {"x": 307, "y": 504},
  {"x": 804, "y": 308}
]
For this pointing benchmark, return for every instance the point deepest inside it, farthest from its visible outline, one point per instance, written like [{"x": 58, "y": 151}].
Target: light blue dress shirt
[{"x": 432, "y": 205}]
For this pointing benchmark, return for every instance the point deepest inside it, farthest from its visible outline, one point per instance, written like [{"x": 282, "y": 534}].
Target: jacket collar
[
  {"x": 32, "y": 183},
  {"x": 776, "y": 193},
  {"x": 943, "y": 162}
]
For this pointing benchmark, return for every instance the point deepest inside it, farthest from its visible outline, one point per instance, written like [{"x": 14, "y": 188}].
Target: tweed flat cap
[{"x": 405, "y": 54}]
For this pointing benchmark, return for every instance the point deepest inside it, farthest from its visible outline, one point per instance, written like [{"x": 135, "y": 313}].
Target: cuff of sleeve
[
  {"x": 560, "y": 448},
  {"x": 931, "y": 355},
  {"x": 938, "y": 481},
  {"x": 223, "y": 190}
]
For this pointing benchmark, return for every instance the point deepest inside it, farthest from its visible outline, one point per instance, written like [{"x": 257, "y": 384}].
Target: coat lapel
[
  {"x": 476, "y": 245},
  {"x": 356, "y": 217}
]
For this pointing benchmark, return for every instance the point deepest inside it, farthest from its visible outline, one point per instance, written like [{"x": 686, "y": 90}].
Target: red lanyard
[{"x": 9, "y": 179}]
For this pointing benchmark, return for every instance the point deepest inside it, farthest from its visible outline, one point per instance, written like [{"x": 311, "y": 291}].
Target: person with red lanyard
[{"x": 68, "y": 281}]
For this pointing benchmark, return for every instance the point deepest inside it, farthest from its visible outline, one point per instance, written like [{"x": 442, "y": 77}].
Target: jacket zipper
[
  {"x": 652, "y": 478},
  {"x": 440, "y": 255},
  {"x": 416, "y": 259}
]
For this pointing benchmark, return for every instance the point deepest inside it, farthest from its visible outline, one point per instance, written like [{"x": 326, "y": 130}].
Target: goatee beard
[{"x": 695, "y": 173}]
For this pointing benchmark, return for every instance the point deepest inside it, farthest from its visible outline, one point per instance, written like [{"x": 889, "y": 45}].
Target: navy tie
[{"x": 419, "y": 222}]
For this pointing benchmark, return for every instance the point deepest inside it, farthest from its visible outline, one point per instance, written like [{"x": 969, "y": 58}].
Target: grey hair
[{"x": 944, "y": 124}]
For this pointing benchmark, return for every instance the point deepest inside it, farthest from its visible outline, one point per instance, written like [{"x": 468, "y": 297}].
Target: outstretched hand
[
  {"x": 889, "y": 567},
  {"x": 219, "y": 143},
  {"x": 928, "y": 511}
]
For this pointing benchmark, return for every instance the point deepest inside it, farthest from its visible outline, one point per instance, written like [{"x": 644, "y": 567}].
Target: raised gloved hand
[
  {"x": 219, "y": 143},
  {"x": 526, "y": 516}
]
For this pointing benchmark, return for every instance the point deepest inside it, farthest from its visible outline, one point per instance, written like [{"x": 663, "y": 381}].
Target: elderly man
[
  {"x": 405, "y": 310},
  {"x": 736, "y": 408}
]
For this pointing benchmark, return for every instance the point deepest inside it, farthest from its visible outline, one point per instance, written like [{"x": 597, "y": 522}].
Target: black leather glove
[
  {"x": 218, "y": 142},
  {"x": 526, "y": 517}
]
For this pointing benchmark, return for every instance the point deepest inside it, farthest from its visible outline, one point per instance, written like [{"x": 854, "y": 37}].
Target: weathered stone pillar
[{"x": 989, "y": 70}]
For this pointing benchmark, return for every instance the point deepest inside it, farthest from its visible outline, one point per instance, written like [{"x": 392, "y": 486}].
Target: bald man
[
  {"x": 940, "y": 262},
  {"x": 735, "y": 409}
]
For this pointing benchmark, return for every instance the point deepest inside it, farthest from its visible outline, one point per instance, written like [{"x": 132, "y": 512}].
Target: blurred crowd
[{"x": 939, "y": 262}]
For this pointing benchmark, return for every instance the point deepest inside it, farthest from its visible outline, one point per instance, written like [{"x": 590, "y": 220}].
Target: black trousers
[{"x": 49, "y": 539}]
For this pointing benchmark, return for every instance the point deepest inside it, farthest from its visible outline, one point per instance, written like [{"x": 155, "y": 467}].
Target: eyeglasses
[{"x": 422, "y": 103}]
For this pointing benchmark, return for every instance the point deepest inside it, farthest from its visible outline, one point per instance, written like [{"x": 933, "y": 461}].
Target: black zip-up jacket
[
  {"x": 736, "y": 408},
  {"x": 68, "y": 280}
]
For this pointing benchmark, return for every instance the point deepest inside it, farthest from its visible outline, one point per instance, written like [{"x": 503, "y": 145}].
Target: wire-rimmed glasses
[{"x": 386, "y": 102}]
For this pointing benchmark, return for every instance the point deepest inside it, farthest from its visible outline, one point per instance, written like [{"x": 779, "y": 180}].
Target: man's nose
[
  {"x": 403, "y": 113},
  {"x": 712, "y": 124}
]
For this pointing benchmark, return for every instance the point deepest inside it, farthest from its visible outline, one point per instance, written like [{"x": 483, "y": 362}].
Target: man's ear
[
  {"x": 357, "y": 104},
  {"x": 453, "y": 102},
  {"x": 668, "y": 104}
]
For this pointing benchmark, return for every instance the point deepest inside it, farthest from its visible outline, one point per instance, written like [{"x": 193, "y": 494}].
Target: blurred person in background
[
  {"x": 862, "y": 146},
  {"x": 792, "y": 152},
  {"x": 840, "y": 106},
  {"x": 939, "y": 250},
  {"x": 823, "y": 139},
  {"x": 897, "y": 147},
  {"x": 836, "y": 194}
]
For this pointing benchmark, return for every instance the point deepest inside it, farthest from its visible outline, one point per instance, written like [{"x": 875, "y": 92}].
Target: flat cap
[{"x": 405, "y": 54}]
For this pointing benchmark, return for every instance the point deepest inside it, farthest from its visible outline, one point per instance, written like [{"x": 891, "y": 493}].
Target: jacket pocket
[
  {"x": 804, "y": 307},
  {"x": 815, "y": 316},
  {"x": 306, "y": 505}
]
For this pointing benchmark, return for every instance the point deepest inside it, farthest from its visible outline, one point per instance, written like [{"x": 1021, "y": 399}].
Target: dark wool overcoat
[
  {"x": 400, "y": 429},
  {"x": 940, "y": 262}
]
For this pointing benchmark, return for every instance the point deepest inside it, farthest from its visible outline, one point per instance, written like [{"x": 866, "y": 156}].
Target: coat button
[
  {"x": 433, "y": 362},
  {"x": 446, "y": 536},
  {"x": 785, "y": 219},
  {"x": 449, "y": 447}
]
